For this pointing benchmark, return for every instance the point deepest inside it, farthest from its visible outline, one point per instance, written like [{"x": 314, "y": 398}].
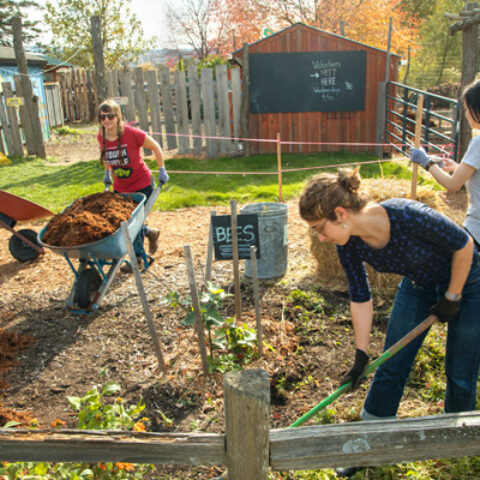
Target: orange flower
[
  {"x": 128, "y": 467},
  {"x": 139, "y": 427},
  {"x": 58, "y": 423},
  {"x": 102, "y": 466}
]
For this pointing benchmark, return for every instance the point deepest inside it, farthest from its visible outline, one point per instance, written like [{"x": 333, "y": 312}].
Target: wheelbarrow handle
[{"x": 395, "y": 348}]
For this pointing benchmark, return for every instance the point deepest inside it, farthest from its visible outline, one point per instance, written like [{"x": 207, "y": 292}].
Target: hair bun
[{"x": 349, "y": 179}]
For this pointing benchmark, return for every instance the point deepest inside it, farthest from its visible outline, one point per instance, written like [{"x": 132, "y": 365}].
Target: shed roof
[
  {"x": 296, "y": 25},
  {"x": 7, "y": 56}
]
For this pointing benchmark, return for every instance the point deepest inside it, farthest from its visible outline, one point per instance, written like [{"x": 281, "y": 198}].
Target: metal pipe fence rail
[
  {"x": 249, "y": 447},
  {"x": 440, "y": 128}
]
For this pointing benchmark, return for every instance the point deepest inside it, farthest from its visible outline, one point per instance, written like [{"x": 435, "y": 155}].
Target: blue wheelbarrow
[{"x": 100, "y": 261}]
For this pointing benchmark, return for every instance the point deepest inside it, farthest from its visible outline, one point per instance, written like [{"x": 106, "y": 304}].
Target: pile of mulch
[
  {"x": 24, "y": 419},
  {"x": 88, "y": 220},
  {"x": 10, "y": 344}
]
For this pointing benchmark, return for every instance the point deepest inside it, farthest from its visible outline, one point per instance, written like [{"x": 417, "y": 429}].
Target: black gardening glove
[
  {"x": 445, "y": 309},
  {"x": 354, "y": 375}
]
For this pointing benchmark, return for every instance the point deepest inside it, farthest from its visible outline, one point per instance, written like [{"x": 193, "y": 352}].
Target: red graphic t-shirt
[{"x": 130, "y": 172}]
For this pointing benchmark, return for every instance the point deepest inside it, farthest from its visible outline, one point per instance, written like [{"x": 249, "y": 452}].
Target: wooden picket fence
[
  {"x": 181, "y": 110},
  {"x": 249, "y": 448}
]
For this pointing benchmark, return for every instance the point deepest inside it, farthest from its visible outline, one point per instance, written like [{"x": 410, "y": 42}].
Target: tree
[
  {"x": 15, "y": 8},
  {"x": 439, "y": 55},
  {"x": 192, "y": 23},
  {"x": 122, "y": 34}
]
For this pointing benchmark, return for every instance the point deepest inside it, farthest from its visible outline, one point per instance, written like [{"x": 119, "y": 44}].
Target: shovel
[{"x": 395, "y": 348}]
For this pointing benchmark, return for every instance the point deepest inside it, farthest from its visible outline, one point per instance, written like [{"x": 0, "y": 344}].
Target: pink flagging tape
[
  {"x": 294, "y": 142},
  {"x": 287, "y": 170}
]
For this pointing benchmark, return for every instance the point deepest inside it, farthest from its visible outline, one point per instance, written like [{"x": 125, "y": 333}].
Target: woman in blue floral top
[{"x": 441, "y": 276}]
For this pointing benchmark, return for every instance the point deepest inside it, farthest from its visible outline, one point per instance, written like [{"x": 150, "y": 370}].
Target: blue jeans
[
  {"x": 140, "y": 238},
  {"x": 462, "y": 358}
]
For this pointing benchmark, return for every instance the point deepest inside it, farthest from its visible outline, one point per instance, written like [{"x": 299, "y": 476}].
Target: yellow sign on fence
[{"x": 15, "y": 101}]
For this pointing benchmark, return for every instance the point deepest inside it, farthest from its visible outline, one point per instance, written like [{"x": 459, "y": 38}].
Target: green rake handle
[{"x": 395, "y": 348}]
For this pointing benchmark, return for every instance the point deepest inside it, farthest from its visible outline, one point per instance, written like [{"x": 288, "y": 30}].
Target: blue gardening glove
[
  {"x": 354, "y": 375},
  {"x": 107, "y": 179},
  {"x": 162, "y": 176},
  {"x": 419, "y": 155}
]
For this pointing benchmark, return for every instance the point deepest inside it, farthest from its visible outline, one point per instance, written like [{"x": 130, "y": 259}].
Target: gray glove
[
  {"x": 419, "y": 156},
  {"x": 162, "y": 176},
  {"x": 107, "y": 179}
]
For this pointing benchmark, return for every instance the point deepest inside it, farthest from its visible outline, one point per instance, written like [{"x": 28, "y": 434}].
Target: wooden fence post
[
  {"x": 209, "y": 112},
  {"x": 418, "y": 142},
  {"x": 141, "y": 103},
  {"x": 143, "y": 296},
  {"x": 26, "y": 124},
  {"x": 154, "y": 102},
  {"x": 166, "y": 90},
  {"x": 247, "y": 419},
  {"x": 223, "y": 108},
  {"x": 13, "y": 119},
  {"x": 126, "y": 90},
  {"x": 236, "y": 263},
  {"x": 279, "y": 166},
  {"x": 195, "y": 101},
  {"x": 236, "y": 105},
  {"x": 181, "y": 110},
  {"x": 199, "y": 326}
]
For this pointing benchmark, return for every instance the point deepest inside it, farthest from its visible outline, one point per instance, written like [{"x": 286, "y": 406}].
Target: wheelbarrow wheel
[
  {"x": 21, "y": 250},
  {"x": 88, "y": 282}
]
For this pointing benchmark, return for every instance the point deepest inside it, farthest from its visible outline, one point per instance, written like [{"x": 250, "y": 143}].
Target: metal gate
[{"x": 440, "y": 126}]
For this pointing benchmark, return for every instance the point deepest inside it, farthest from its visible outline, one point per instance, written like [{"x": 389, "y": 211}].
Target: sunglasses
[{"x": 110, "y": 116}]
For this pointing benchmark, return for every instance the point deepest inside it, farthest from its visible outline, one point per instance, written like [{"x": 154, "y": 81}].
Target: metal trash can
[{"x": 273, "y": 239}]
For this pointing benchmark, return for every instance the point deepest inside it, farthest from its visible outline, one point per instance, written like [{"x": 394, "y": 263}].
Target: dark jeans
[
  {"x": 140, "y": 238},
  {"x": 462, "y": 358}
]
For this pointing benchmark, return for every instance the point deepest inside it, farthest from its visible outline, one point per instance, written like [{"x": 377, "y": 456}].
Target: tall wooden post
[
  {"x": 279, "y": 166},
  {"x": 31, "y": 100},
  {"x": 97, "y": 45},
  {"x": 418, "y": 143},
  {"x": 236, "y": 263},
  {"x": 247, "y": 419}
]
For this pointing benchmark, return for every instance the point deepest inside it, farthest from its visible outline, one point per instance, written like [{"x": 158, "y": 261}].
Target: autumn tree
[
  {"x": 69, "y": 22},
  {"x": 16, "y": 8},
  {"x": 438, "y": 54}
]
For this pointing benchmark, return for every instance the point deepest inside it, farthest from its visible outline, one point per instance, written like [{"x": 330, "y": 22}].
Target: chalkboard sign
[
  {"x": 247, "y": 231},
  {"x": 307, "y": 82}
]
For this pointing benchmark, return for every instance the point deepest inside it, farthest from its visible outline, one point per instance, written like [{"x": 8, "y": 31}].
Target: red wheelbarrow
[{"x": 23, "y": 245}]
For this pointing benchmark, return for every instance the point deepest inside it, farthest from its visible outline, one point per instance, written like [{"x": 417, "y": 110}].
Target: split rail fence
[{"x": 249, "y": 447}]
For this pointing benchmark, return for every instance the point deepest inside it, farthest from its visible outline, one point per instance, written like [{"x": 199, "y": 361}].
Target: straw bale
[{"x": 329, "y": 269}]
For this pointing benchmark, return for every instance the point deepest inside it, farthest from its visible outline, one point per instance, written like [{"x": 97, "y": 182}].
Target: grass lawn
[{"x": 56, "y": 186}]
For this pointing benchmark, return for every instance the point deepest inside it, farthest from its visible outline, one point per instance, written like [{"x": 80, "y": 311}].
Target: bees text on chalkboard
[{"x": 339, "y": 115}]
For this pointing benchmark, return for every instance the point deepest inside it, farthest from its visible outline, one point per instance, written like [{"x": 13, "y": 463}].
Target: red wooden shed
[{"x": 310, "y": 85}]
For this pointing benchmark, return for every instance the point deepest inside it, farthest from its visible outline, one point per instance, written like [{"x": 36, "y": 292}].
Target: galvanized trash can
[{"x": 273, "y": 239}]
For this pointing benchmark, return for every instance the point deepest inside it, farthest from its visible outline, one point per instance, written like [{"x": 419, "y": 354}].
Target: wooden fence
[
  {"x": 181, "y": 110},
  {"x": 249, "y": 447}
]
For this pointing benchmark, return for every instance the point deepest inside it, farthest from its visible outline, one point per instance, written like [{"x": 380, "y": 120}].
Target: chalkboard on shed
[
  {"x": 307, "y": 82},
  {"x": 247, "y": 231}
]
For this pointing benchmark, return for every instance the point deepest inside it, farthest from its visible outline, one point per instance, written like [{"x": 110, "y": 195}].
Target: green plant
[
  {"x": 234, "y": 344},
  {"x": 93, "y": 414},
  {"x": 65, "y": 130}
]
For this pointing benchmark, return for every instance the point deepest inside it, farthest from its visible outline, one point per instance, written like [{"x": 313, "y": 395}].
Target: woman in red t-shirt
[{"x": 121, "y": 156}]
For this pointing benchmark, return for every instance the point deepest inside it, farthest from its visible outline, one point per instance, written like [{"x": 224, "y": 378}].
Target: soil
[
  {"x": 57, "y": 353},
  {"x": 88, "y": 219}
]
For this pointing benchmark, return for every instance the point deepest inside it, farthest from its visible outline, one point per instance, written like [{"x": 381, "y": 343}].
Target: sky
[{"x": 149, "y": 12}]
